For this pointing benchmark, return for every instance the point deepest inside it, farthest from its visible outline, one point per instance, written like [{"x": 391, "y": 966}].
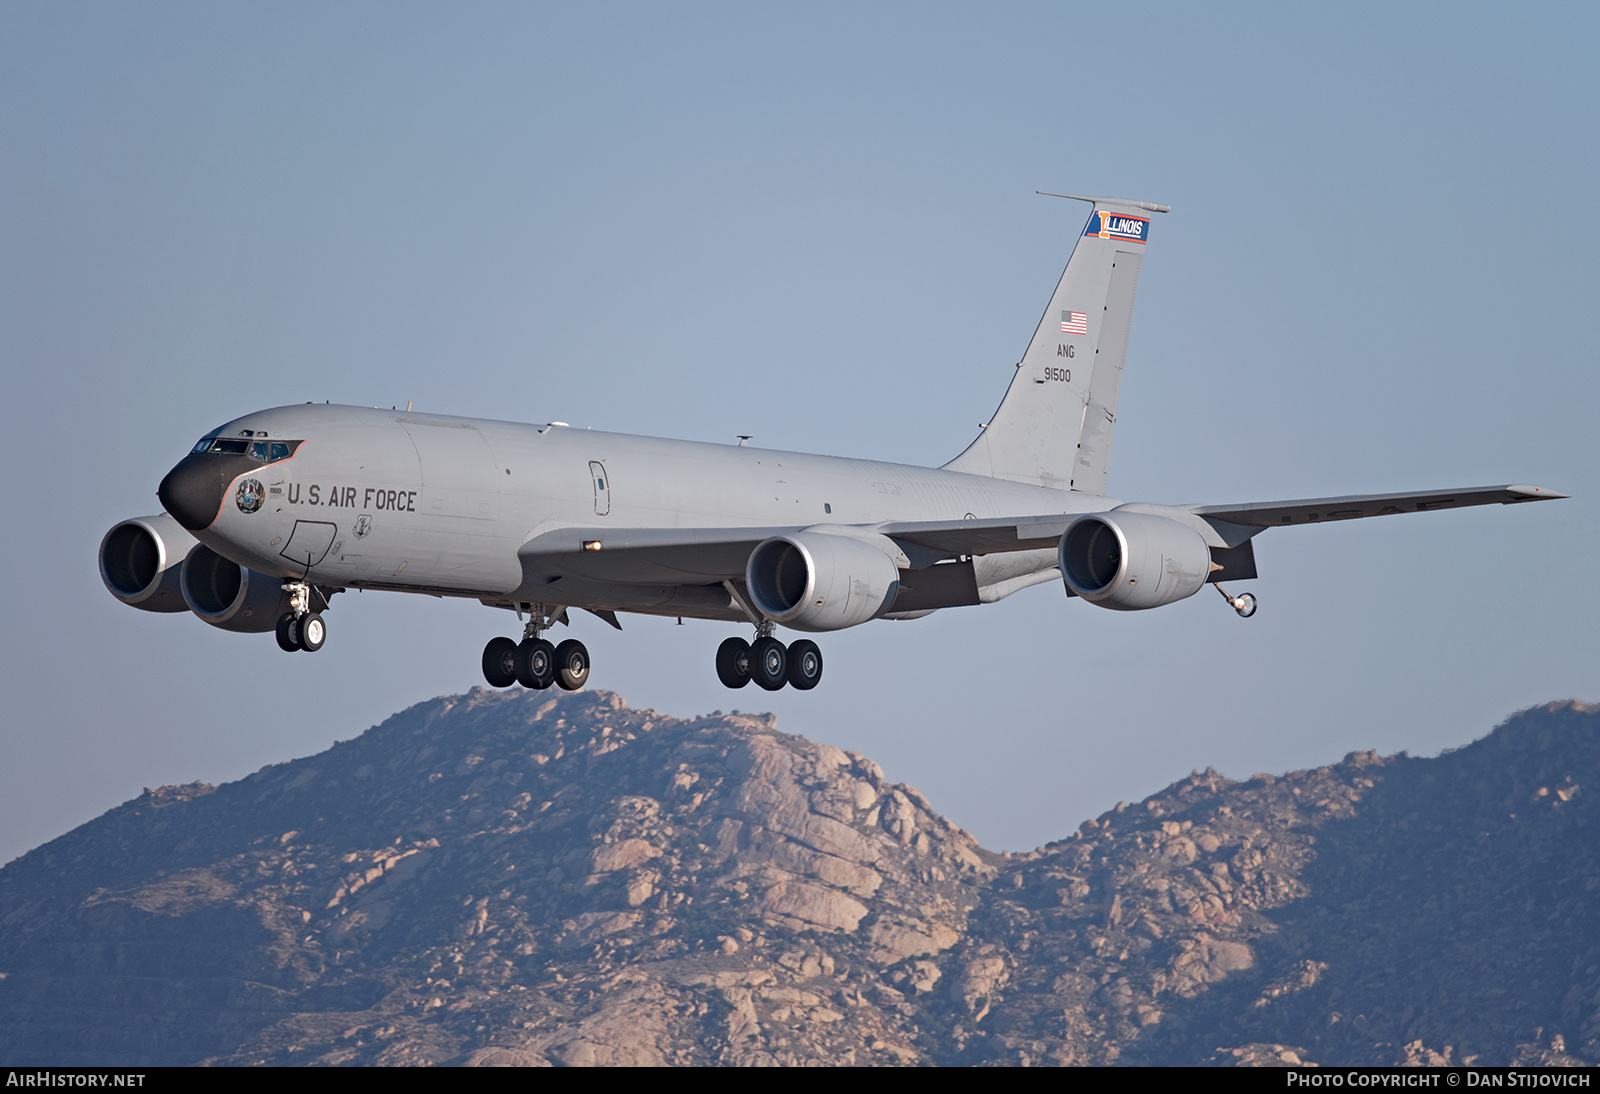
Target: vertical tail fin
[{"x": 1055, "y": 424}]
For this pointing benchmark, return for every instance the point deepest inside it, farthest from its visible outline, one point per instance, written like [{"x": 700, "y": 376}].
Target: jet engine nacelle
[
  {"x": 141, "y": 562},
  {"x": 816, "y": 581},
  {"x": 227, "y": 595},
  {"x": 1132, "y": 561}
]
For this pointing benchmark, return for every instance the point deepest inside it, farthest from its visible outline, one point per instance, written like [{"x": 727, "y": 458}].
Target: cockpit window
[{"x": 265, "y": 451}]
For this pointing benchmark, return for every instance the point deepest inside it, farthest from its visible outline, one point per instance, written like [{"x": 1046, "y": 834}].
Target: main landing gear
[
  {"x": 769, "y": 662},
  {"x": 300, "y": 628},
  {"x": 1244, "y": 604},
  {"x": 535, "y": 663}
]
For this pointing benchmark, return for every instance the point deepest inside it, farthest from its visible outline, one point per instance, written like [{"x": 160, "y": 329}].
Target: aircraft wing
[
  {"x": 675, "y": 556},
  {"x": 688, "y": 556},
  {"x": 950, "y": 538},
  {"x": 994, "y": 535},
  {"x": 1276, "y": 514},
  {"x": 684, "y": 556}
]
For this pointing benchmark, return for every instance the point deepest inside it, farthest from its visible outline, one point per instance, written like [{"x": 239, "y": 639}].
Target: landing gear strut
[
  {"x": 300, "y": 628},
  {"x": 767, "y": 661},
  {"x": 534, "y": 662},
  {"x": 1244, "y": 603}
]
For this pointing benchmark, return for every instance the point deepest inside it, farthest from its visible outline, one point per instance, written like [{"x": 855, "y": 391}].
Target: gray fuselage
[{"x": 437, "y": 504}]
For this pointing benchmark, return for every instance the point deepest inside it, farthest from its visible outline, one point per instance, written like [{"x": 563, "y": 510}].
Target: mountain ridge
[{"x": 514, "y": 878}]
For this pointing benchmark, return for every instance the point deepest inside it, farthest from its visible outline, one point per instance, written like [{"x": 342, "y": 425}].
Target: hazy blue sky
[{"x": 816, "y": 224}]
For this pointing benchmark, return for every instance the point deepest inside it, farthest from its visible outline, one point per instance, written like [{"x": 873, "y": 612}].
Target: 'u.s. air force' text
[{"x": 344, "y": 497}]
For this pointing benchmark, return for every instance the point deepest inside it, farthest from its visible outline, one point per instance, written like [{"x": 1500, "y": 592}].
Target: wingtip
[{"x": 1535, "y": 493}]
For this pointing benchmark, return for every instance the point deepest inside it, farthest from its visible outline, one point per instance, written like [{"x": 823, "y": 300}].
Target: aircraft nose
[{"x": 193, "y": 491}]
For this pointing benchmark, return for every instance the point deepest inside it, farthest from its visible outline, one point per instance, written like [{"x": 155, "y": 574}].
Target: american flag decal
[{"x": 1074, "y": 322}]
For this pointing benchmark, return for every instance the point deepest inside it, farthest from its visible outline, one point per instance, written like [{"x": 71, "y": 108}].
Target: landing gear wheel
[
  {"x": 733, "y": 663},
  {"x": 572, "y": 665},
  {"x": 536, "y": 663},
  {"x": 805, "y": 665},
  {"x": 769, "y": 663},
  {"x": 313, "y": 632},
  {"x": 500, "y": 662},
  {"x": 288, "y": 633}
]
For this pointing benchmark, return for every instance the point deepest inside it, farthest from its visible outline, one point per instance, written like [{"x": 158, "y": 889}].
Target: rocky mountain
[{"x": 510, "y": 878}]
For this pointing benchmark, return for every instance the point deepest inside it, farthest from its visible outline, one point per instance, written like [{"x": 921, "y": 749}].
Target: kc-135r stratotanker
[{"x": 274, "y": 512}]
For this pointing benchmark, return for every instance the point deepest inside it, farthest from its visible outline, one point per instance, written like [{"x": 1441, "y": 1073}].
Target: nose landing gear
[
  {"x": 313, "y": 632},
  {"x": 534, "y": 662},
  {"x": 300, "y": 628}
]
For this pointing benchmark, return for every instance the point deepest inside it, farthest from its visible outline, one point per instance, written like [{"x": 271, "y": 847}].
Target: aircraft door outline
[
  {"x": 601, "y": 481},
  {"x": 309, "y": 542}
]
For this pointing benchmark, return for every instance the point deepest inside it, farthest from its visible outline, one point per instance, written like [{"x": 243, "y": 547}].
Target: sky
[{"x": 817, "y": 224}]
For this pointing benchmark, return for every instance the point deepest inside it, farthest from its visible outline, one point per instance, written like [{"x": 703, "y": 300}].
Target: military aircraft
[{"x": 272, "y": 514}]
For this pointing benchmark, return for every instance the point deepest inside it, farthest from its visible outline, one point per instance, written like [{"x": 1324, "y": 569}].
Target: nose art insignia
[{"x": 249, "y": 495}]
